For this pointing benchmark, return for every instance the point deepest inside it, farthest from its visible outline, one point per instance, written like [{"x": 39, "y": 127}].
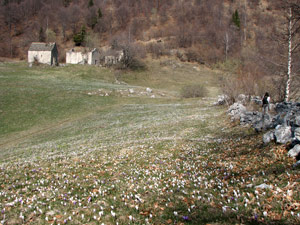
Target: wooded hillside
[
  {"x": 215, "y": 27},
  {"x": 251, "y": 33}
]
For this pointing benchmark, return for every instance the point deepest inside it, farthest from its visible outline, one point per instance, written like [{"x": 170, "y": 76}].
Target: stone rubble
[
  {"x": 236, "y": 110},
  {"x": 294, "y": 152},
  {"x": 283, "y": 127},
  {"x": 222, "y": 100}
]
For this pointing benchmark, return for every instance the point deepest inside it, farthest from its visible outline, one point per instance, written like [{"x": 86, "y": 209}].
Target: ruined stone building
[
  {"x": 83, "y": 56},
  {"x": 113, "y": 57},
  {"x": 45, "y": 53}
]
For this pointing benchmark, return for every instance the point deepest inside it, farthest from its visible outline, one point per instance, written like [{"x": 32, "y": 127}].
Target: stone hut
[
  {"x": 45, "y": 53},
  {"x": 83, "y": 56}
]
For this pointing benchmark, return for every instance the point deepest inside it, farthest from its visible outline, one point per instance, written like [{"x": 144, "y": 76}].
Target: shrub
[
  {"x": 193, "y": 91},
  {"x": 194, "y": 56}
]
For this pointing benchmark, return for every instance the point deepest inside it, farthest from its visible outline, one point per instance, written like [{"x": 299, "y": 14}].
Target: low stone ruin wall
[{"x": 282, "y": 127}]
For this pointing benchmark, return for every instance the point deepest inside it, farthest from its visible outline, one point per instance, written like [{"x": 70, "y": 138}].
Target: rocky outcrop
[
  {"x": 236, "y": 110},
  {"x": 294, "y": 152},
  {"x": 288, "y": 113},
  {"x": 249, "y": 117},
  {"x": 268, "y": 137},
  {"x": 222, "y": 100},
  {"x": 283, "y": 134},
  {"x": 283, "y": 127},
  {"x": 297, "y": 134}
]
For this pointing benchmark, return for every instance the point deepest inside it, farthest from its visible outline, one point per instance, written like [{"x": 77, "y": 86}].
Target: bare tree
[
  {"x": 289, "y": 38},
  {"x": 122, "y": 16},
  {"x": 63, "y": 17},
  {"x": 227, "y": 44},
  {"x": 91, "y": 40},
  {"x": 74, "y": 17},
  {"x": 293, "y": 41},
  {"x": 10, "y": 21}
]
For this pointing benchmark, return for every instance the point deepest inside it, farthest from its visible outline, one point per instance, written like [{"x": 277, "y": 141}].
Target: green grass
[
  {"x": 162, "y": 75},
  {"x": 70, "y": 157},
  {"x": 42, "y": 95}
]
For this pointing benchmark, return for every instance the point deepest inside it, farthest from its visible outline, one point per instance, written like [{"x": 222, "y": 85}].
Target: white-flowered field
[{"x": 84, "y": 150}]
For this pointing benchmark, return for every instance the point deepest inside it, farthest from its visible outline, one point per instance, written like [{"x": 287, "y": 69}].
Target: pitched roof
[{"x": 41, "y": 46}]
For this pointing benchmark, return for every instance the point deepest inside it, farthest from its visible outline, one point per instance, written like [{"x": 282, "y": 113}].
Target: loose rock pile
[
  {"x": 222, "y": 100},
  {"x": 283, "y": 127},
  {"x": 131, "y": 92}
]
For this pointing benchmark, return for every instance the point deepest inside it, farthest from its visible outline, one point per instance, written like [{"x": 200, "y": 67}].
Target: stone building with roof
[
  {"x": 83, "y": 56},
  {"x": 45, "y": 53}
]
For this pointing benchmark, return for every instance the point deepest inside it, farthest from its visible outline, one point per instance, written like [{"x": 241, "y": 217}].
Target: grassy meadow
[{"x": 79, "y": 147}]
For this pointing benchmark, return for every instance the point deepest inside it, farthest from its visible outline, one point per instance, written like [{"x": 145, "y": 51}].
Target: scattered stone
[
  {"x": 222, "y": 100},
  {"x": 297, "y": 121},
  {"x": 297, "y": 134},
  {"x": 256, "y": 99},
  {"x": 149, "y": 90},
  {"x": 265, "y": 122},
  {"x": 242, "y": 98},
  {"x": 294, "y": 152},
  {"x": 289, "y": 113},
  {"x": 249, "y": 117},
  {"x": 268, "y": 137},
  {"x": 131, "y": 91},
  {"x": 196, "y": 68},
  {"x": 283, "y": 134},
  {"x": 152, "y": 96}
]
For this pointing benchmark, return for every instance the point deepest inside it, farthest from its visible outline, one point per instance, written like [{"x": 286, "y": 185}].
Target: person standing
[{"x": 266, "y": 103}]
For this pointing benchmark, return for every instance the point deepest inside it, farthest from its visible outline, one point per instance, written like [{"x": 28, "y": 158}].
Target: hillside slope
[
  {"x": 70, "y": 154},
  {"x": 198, "y": 27}
]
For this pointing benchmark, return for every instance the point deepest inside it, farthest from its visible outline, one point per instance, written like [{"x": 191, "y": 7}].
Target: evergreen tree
[
  {"x": 236, "y": 19},
  {"x": 91, "y": 3},
  {"x": 79, "y": 38},
  {"x": 66, "y": 3},
  {"x": 5, "y": 2}
]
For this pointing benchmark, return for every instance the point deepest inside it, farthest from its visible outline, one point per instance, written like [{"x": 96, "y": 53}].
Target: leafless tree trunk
[
  {"x": 289, "y": 59},
  {"x": 293, "y": 42},
  {"x": 245, "y": 21},
  {"x": 226, "y": 42}
]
